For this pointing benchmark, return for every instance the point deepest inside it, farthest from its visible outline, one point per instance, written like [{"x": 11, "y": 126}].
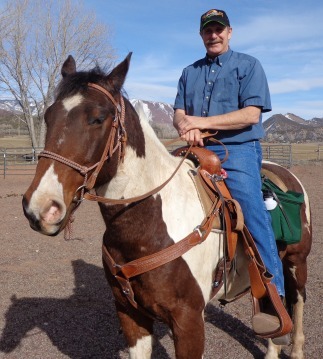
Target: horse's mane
[{"x": 78, "y": 81}]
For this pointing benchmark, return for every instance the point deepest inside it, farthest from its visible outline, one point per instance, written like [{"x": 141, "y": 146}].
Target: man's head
[{"x": 215, "y": 31}]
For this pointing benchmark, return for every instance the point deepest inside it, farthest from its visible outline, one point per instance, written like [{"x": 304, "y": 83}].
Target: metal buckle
[
  {"x": 216, "y": 177},
  {"x": 81, "y": 199}
]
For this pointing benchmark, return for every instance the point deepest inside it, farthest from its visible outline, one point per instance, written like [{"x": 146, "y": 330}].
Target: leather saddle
[{"x": 214, "y": 195}]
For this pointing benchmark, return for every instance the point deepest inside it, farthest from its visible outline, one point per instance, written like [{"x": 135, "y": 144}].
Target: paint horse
[{"x": 95, "y": 139}]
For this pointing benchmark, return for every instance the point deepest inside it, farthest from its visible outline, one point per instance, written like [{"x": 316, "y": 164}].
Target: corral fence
[
  {"x": 23, "y": 160},
  {"x": 292, "y": 154},
  {"x": 18, "y": 161}
]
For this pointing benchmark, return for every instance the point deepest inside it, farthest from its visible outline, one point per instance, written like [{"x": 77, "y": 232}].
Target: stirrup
[{"x": 270, "y": 318}]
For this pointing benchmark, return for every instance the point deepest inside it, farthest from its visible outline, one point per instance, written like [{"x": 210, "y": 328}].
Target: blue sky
[{"x": 285, "y": 35}]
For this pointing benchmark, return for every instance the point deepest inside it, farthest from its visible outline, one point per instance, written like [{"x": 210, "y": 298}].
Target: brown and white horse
[{"x": 80, "y": 123}]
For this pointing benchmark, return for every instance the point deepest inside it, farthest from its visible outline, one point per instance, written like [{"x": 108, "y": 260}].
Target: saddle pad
[{"x": 204, "y": 198}]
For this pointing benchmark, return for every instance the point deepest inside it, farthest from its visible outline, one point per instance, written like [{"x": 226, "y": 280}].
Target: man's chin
[{"x": 214, "y": 51}]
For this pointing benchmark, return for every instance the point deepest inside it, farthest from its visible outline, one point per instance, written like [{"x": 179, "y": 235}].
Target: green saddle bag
[{"x": 286, "y": 218}]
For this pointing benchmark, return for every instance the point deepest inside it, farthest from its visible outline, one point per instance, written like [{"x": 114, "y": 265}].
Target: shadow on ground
[{"x": 85, "y": 324}]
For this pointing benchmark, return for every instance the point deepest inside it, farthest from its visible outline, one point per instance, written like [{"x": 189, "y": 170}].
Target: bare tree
[{"x": 36, "y": 36}]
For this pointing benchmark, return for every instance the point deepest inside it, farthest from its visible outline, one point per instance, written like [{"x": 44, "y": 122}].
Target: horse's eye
[{"x": 96, "y": 120}]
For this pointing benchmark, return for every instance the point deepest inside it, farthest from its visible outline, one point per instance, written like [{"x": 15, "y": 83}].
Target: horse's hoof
[{"x": 283, "y": 340}]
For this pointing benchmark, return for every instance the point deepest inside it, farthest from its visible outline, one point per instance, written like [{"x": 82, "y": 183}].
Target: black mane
[{"x": 78, "y": 81}]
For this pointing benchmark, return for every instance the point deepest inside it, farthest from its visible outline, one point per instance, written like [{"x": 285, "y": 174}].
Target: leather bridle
[
  {"x": 116, "y": 141},
  {"x": 118, "y": 129}
]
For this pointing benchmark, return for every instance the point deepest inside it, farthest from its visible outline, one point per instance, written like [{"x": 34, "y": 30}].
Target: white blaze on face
[
  {"x": 68, "y": 105},
  {"x": 49, "y": 190},
  {"x": 71, "y": 102}
]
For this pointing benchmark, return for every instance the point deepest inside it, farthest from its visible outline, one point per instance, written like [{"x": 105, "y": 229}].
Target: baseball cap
[{"x": 214, "y": 15}]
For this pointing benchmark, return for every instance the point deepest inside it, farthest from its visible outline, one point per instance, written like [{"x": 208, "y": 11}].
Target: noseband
[{"x": 117, "y": 134}]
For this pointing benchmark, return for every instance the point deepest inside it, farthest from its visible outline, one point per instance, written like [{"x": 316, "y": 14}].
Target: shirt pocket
[{"x": 226, "y": 90}]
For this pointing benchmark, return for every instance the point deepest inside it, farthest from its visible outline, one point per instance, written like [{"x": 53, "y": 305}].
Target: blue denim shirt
[{"x": 228, "y": 83}]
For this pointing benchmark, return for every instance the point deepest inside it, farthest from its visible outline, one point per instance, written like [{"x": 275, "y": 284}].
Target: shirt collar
[{"x": 219, "y": 60}]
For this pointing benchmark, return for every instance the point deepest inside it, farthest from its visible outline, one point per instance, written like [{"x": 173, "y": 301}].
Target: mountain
[
  {"x": 13, "y": 106},
  {"x": 288, "y": 128},
  {"x": 160, "y": 116},
  {"x": 291, "y": 128}
]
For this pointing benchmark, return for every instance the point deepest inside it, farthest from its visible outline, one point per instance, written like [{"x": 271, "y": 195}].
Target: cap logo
[{"x": 212, "y": 12}]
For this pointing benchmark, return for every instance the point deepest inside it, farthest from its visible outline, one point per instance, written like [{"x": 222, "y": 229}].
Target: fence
[
  {"x": 292, "y": 154},
  {"x": 281, "y": 154},
  {"x": 18, "y": 161},
  {"x": 22, "y": 161}
]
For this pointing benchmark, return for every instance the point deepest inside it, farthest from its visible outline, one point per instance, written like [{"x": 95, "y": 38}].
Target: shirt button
[
  {"x": 210, "y": 83},
  {"x": 207, "y": 97},
  {"x": 212, "y": 70}
]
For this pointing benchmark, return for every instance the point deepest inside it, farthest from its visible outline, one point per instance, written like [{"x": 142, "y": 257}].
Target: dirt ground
[{"x": 55, "y": 302}]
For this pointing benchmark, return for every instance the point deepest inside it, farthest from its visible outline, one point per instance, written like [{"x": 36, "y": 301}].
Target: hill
[
  {"x": 293, "y": 129},
  {"x": 288, "y": 128}
]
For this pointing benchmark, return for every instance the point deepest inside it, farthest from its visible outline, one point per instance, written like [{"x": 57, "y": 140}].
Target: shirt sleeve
[
  {"x": 180, "y": 97},
  {"x": 254, "y": 90}
]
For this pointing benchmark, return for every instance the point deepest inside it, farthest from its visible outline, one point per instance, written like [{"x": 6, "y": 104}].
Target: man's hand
[
  {"x": 193, "y": 137},
  {"x": 187, "y": 127}
]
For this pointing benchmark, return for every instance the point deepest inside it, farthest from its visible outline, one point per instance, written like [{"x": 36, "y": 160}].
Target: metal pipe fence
[
  {"x": 23, "y": 160},
  {"x": 18, "y": 161}
]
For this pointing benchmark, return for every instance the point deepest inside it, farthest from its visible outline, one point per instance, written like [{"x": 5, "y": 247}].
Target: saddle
[{"x": 210, "y": 184}]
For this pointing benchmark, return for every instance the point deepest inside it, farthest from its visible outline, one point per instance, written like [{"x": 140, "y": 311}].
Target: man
[{"x": 227, "y": 91}]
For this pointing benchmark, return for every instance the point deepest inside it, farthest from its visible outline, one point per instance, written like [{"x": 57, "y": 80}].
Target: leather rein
[{"x": 118, "y": 129}]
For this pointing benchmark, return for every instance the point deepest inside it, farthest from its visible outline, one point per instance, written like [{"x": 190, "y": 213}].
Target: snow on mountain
[
  {"x": 14, "y": 107},
  {"x": 295, "y": 118}
]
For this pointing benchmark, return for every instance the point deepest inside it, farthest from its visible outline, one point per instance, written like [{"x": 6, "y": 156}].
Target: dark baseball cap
[{"x": 214, "y": 15}]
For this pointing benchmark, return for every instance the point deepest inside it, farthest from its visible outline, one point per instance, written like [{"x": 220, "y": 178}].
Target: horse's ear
[
  {"x": 69, "y": 66},
  {"x": 118, "y": 75}
]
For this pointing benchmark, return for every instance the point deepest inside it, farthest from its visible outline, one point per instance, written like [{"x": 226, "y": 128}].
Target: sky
[{"x": 285, "y": 35}]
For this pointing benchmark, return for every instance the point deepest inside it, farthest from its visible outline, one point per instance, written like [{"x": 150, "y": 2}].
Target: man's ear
[{"x": 230, "y": 32}]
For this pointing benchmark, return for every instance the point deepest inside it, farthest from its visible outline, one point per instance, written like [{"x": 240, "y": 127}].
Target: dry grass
[{"x": 15, "y": 141}]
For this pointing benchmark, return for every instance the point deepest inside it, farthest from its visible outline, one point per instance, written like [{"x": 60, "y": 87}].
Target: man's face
[{"x": 216, "y": 38}]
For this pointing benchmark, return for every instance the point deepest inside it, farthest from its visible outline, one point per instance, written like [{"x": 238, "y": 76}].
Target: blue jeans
[{"x": 244, "y": 182}]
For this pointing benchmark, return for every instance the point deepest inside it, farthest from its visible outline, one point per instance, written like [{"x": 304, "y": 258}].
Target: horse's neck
[{"x": 140, "y": 174}]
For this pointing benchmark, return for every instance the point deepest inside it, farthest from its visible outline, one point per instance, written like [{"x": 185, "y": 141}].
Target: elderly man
[{"x": 227, "y": 91}]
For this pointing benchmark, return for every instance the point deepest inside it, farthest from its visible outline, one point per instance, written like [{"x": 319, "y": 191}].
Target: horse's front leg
[
  {"x": 188, "y": 331},
  {"x": 138, "y": 331}
]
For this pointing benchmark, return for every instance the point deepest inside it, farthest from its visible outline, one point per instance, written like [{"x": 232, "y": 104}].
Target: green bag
[{"x": 286, "y": 218}]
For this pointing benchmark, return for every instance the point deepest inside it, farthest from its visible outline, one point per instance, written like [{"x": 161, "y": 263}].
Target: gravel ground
[{"x": 55, "y": 302}]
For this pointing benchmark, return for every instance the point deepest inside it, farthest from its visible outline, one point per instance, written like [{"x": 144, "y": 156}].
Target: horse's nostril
[{"x": 52, "y": 213}]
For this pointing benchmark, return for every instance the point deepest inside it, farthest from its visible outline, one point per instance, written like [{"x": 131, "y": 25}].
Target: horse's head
[{"x": 84, "y": 143}]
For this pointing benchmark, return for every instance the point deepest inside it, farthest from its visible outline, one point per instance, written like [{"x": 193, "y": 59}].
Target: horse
[{"x": 149, "y": 202}]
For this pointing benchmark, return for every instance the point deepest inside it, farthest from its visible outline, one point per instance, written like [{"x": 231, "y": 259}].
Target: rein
[{"x": 117, "y": 134}]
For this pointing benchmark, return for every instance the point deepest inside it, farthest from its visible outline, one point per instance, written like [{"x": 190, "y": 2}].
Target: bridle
[
  {"x": 117, "y": 135},
  {"x": 117, "y": 140}
]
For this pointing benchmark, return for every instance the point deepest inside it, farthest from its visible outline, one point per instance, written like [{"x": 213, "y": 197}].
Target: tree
[{"x": 36, "y": 36}]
